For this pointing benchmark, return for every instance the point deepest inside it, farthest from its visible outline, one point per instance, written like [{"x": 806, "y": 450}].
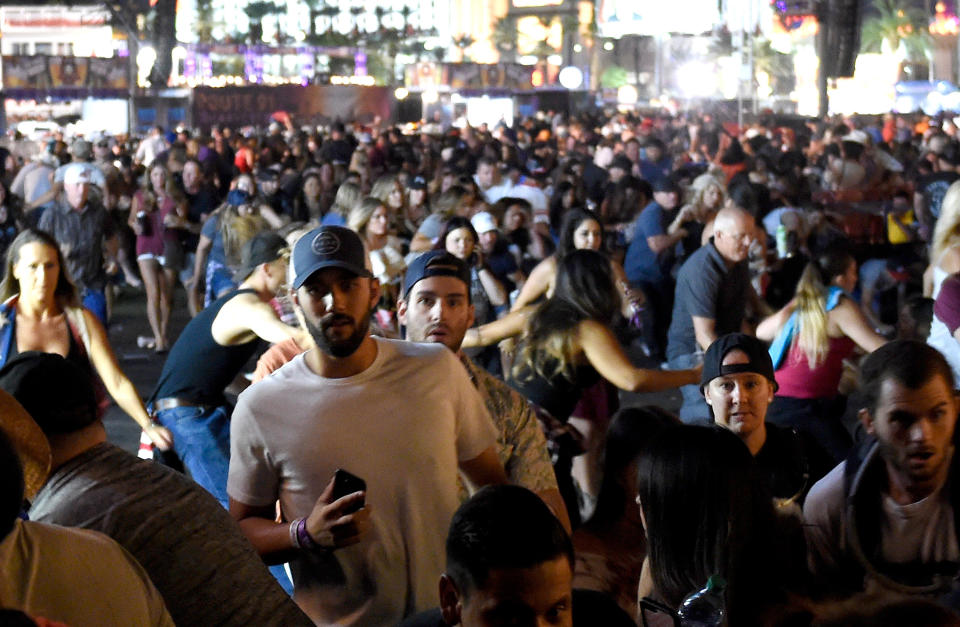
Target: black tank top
[
  {"x": 75, "y": 354},
  {"x": 558, "y": 395},
  {"x": 198, "y": 369}
]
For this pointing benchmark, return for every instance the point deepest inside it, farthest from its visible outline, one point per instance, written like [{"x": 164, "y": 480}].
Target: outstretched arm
[
  {"x": 510, "y": 325},
  {"x": 604, "y": 353}
]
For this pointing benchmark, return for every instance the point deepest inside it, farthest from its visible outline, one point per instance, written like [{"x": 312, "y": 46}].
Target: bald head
[{"x": 733, "y": 232}]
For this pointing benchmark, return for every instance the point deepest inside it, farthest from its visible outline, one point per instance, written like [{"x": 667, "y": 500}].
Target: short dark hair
[
  {"x": 11, "y": 485},
  {"x": 910, "y": 362},
  {"x": 502, "y": 526}
]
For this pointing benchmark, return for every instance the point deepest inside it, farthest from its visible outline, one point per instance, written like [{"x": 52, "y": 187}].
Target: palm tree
[
  {"x": 894, "y": 24},
  {"x": 313, "y": 7},
  {"x": 329, "y": 12},
  {"x": 379, "y": 13},
  {"x": 256, "y": 11},
  {"x": 504, "y": 36},
  {"x": 463, "y": 42},
  {"x": 356, "y": 12},
  {"x": 204, "y": 22},
  {"x": 405, "y": 13}
]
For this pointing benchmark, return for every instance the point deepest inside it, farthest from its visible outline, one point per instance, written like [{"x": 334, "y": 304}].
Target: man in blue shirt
[{"x": 652, "y": 254}]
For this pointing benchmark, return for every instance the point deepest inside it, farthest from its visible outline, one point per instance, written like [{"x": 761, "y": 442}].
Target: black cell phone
[{"x": 345, "y": 483}]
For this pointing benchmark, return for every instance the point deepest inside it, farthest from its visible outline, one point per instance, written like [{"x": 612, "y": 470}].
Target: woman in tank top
[
  {"x": 944, "y": 261},
  {"x": 811, "y": 336},
  {"x": 158, "y": 198},
  {"x": 41, "y": 312},
  {"x": 567, "y": 345}
]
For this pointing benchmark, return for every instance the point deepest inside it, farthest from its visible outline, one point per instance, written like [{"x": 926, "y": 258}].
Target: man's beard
[{"x": 339, "y": 348}]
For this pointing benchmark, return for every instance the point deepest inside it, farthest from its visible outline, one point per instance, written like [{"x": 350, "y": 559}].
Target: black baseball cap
[
  {"x": 666, "y": 184},
  {"x": 435, "y": 263},
  {"x": 328, "y": 247},
  {"x": 758, "y": 358},
  {"x": 264, "y": 247},
  {"x": 417, "y": 182},
  {"x": 623, "y": 162}
]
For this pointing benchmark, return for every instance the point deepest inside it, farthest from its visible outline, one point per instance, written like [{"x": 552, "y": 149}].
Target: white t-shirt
[{"x": 402, "y": 425}]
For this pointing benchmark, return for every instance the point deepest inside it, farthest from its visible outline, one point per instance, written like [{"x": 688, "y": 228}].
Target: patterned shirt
[
  {"x": 81, "y": 235},
  {"x": 521, "y": 445}
]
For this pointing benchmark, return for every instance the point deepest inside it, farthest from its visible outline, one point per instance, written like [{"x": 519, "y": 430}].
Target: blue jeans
[
  {"x": 201, "y": 438},
  {"x": 95, "y": 301},
  {"x": 694, "y": 409}
]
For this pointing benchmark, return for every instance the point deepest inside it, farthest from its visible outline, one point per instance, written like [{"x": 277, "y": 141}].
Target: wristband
[
  {"x": 294, "y": 540},
  {"x": 304, "y": 541}
]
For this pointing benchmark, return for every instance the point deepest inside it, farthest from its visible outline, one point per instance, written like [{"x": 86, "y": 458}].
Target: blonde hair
[
  {"x": 946, "y": 234},
  {"x": 360, "y": 214},
  {"x": 237, "y": 230},
  {"x": 811, "y": 304},
  {"x": 348, "y": 196},
  {"x": 383, "y": 187},
  {"x": 699, "y": 187}
]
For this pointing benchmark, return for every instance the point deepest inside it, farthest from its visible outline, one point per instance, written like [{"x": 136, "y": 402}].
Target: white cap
[
  {"x": 76, "y": 173},
  {"x": 483, "y": 222},
  {"x": 857, "y": 137}
]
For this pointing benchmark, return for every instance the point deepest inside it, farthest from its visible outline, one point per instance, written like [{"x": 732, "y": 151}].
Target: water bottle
[
  {"x": 704, "y": 608},
  {"x": 782, "y": 241}
]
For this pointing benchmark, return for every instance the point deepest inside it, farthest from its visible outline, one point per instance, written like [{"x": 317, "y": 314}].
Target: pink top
[
  {"x": 153, "y": 242},
  {"x": 797, "y": 380}
]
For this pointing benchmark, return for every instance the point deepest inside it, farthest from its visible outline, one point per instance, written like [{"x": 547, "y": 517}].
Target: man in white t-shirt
[
  {"x": 404, "y": 417},
  {"x": 886, "y": 517}
]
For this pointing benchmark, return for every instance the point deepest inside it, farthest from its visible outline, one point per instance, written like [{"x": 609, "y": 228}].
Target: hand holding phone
[
  {"x": 345, "y": 483},
  {"x": 334, "y": 526}
]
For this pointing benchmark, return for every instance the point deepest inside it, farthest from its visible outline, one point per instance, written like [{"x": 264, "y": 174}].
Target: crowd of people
[{"x": 398, "y": 396}]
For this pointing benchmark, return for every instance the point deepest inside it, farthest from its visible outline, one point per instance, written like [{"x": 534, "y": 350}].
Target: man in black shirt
[
  {"x": 210, "y": 353},
  {"x": 931, "y": 188}
]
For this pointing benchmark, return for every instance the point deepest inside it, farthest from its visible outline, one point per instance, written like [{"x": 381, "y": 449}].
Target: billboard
[
  {"x": 616, "y": 18},
  {"x": 33, "y": 76}
]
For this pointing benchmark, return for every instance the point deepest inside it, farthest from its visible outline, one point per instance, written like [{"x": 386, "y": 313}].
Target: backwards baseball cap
[
  {"x": 435, "y": 263},
  {"x": 264, "y": 247},
  {"x": 758, "y": 358},
  {"x": 328, "y": 247}
]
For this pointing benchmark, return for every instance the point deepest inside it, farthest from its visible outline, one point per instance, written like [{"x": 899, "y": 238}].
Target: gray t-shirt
[
  {"x": 707, "y": 288},
  {"x": 196, "y": 555}
]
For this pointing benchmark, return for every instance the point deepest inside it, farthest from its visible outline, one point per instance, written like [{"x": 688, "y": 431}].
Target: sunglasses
[{"x": 649, "y": 608}]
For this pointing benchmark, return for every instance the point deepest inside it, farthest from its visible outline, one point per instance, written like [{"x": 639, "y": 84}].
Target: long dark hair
[
  {"x": 631, "y": 430},
  {"x": 572, "y": 220},
  {"x": 584, "y": 290},
  {"x": 65, "y": 292},
  {"x": 454, "y": 223},
  {"x": 705, "y": 514}
]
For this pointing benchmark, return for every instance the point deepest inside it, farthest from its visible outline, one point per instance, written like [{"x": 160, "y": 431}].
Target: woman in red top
[
  {"x": 812, "y": 335},
  {"x": 158, "y": 198}
]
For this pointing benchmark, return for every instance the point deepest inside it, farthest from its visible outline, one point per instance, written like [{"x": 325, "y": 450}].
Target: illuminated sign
[{"x": 526, "y": 4}]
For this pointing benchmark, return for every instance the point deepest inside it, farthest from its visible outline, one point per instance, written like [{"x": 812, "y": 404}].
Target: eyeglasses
[{"x": 650, "y": 607}]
